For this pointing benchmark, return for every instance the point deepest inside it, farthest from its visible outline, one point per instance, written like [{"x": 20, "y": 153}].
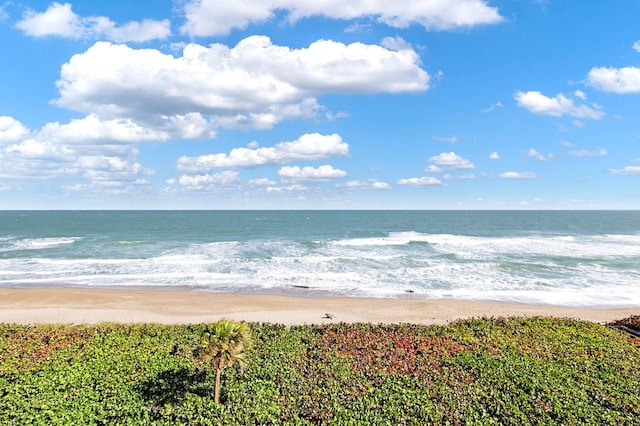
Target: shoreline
[{"x": 70, "y": 305}]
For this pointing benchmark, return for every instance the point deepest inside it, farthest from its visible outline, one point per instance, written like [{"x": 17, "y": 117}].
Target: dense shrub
[{"x": 482, "y": 371}]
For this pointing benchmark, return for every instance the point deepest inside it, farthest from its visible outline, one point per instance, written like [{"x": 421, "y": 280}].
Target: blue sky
[{"x": 285, "y": 104}]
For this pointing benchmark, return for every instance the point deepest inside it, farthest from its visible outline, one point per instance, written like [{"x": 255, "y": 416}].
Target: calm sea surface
[{"x": 585, "y": 258}]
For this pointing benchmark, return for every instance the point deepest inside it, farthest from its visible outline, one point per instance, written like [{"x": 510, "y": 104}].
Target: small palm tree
[{"x": 221, "y": 345}]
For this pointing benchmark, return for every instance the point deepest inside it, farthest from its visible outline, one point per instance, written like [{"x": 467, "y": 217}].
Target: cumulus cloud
[
  {"x": 532, "y": 153},
  {"x": 60, "y": 20},
  {"x": 262, "y": 182},
  {"x": 93, "y": 129},
  {"x": 31, "y": 149},
  {"x": 494, "y": 156},
  {"x": 313, "y": 146},
  {"x": 325, "y": 172},
  {"x": 616, "y": 80},
  {"x": 448, "y": 161},
  {"x": 586, "y": 153},
  {"x": 102, "y": 157},
  {"x": 36, "y": 159},
  {"x": 557, "y": 106},
  {"x": 101, "y": 168},
  {"x": 518, "y": 175},
  {"x": 212, "y": 17},
  {"x": 629, "y": 170},
  {"x": 466, "y": 176},
  {"x": 290, "y": 188},
  {"x": 367, "y": 184},
  {"x": 330, "y": 116},
  {"x": 254, "y": 84},
  {"x": 208, "y": 181},
  {"x": 636, "y": 46},
  {"x": 420, "y": 181},
  {"x": 11, "y": 130},
  {"x": 379, "y": 185}
]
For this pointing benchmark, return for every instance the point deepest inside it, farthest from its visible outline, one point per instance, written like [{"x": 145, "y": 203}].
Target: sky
[{"x": 324, "y": 104}]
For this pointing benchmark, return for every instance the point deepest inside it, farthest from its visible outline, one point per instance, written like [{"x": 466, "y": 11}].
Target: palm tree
[{"x": 221, "y": 345}]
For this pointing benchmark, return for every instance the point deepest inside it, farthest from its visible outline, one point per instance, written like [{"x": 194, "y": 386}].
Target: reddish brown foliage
[
  {"x": 34, "y": 347},
  {"x": 389, "y": 351}
]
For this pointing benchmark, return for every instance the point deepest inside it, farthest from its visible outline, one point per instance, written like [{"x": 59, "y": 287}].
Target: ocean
[{"x": 570, "y": 258}]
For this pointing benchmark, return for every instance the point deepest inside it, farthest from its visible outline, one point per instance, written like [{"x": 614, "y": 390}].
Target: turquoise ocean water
[{"x": 574, "y": 258}]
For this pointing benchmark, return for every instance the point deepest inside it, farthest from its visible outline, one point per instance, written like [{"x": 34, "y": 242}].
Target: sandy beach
[{"x": 91, "y": 306}]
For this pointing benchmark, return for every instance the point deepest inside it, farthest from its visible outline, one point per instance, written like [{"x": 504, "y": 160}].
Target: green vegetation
[
  {"x": 485, "y": 371},
  {"x": 221, "y": 345}
]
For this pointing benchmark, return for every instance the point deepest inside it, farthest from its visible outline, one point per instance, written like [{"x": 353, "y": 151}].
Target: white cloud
[
  {"x": 420, "y": 181},
  {"x": 629, "y": 170},
  {"x": 262, "y": 182},
  {"x": 557, "y": 106},
  {"x": 324, "y": 172},
  {"x": 208, "y": 181},
  {"x": 518, "y": 175},
  {"x": 134, "y": 31},
  {"x": 212, "y": 17},
  {"x": 11, "y": 130},
  {"x": 107, "y": 169},
  {"x": 492, "y": 107},
  {"x": 448, "y": 161},
  {"x": 104, "y": 157},
  {"x": 616, "y": 80},
  {"x": 92, "y": 129},
  {"x": 395, "y": 43},
  {"x": 313, "y": 146},
  {"x": 494, "y": 156},
  {"x": 586, "y": 153},
  {"x": 368, "y": 184},
  {"x": 290, "y": 188},
  {"x": 59, "y": 20},
  {"x": 532, "y": 153},
  {"x": 31, "y": 149},
  {"x": 330, "y": 116},
  {"x": 379, "y": 185},
  {"x": 466, "y": 176},
  {"x": 357, "y": 27},
  {"x": 36, "y": 159},
  {"x": 580, "y": 94},
  {"x": 254, "y": 84},
  {"x": 636, "y": 46}
]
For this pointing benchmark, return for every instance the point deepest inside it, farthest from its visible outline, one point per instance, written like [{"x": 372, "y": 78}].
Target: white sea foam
[
  {"x": 41, "y": 243},
  {"x": 465, "y": 246},
  {"x": 600, "y": 270},
  {"x": 393, "y": 239}
]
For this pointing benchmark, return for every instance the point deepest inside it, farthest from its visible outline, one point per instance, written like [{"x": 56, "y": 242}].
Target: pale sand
[{"x": 91, "y": 306}]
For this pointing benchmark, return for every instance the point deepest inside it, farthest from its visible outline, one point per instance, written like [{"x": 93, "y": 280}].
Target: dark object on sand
[
  {"x": 328, "y": 316},
  {"x": 629, "y": 325}
]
